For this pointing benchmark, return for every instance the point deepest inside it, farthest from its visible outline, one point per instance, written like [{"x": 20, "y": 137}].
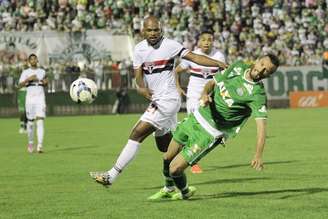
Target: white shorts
[
  {"x": 162, "y": 114},
  {"x": 35, "y": 110},
  {"x": 192, "y": 104}
]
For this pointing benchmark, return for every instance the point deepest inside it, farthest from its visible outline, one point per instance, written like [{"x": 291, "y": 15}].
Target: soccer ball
[{"x": 83, "y": 90}]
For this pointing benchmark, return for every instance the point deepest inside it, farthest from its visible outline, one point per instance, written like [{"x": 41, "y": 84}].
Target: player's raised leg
[{"x": 139, "y": 133}]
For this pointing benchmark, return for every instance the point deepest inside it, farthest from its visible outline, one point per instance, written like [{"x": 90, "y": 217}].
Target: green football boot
[
  {"x": 179, "y": 196},
  {"x": 162, "y": 194}
]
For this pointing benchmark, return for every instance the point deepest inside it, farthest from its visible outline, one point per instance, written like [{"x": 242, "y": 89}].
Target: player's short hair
[
  {"x": 145, "y": 18},
  {"x": 207, "y": 31},
  {"x": 31, "y": 55},
  {"x": 273, "y": 58}
]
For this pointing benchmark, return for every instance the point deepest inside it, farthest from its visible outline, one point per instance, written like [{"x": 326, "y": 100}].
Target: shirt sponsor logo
[{"x": 225, "y": 94}]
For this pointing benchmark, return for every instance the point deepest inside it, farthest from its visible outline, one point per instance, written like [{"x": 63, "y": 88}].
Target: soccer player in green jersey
[{"x": 227, "y": 102}]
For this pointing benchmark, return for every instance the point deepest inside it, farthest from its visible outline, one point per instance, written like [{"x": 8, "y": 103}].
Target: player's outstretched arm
[
  {"x": 204, "y": 60},
  {"x": 178, "y": 70},
  {"x": 257, "y": 162},
  {"x": 205, "y": 98},
  {"x": 141, "y": 87}
]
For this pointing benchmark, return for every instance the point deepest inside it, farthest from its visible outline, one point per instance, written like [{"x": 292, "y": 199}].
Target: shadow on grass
[
  {"x": 287, "y": 193},
  {"x": 212, "y": 168},
  {"x": 218, "y": 181},
  {"x": 64, "y": 148}
]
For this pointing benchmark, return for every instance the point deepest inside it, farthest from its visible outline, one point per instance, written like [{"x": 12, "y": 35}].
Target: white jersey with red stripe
[
  {"x": 200, "y": 75},
  {"x": 35, "y": 90},
  {"x": 157, "y": 64}
]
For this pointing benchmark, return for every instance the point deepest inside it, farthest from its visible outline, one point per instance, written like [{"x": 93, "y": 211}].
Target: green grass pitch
[{"x": 294, "y": 183}]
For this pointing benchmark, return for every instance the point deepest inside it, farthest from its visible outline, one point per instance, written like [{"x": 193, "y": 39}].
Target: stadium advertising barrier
[
  {"x": 300, "y": 78},
  {"x": 64, "y": 46},
  {"x": 308, "y": 99}
]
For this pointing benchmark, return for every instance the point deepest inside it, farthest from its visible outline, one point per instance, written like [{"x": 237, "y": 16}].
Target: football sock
[
  {"x": 181, "y": 183},
  {"x": 126, "y": 156},
  {"x": 169, "y": 183},
  {"x": 22, "y": 125},
  {"x": 40, "y": 130},
  {"x": 22, "y": 121},
  {"x": 30, "y": 131}
]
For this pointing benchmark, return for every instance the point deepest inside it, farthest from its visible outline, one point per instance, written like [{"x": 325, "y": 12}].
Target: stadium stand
[{"x": 297, "y": 31}]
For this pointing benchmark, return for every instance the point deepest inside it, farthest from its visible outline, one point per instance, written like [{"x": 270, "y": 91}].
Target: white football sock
[
  {"x": 30, "y": 131},
  {"x": 40, "y": 131},
  {"x": 126, "y": 156}
]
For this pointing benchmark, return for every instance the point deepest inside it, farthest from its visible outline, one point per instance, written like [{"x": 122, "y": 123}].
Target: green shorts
[
  {"x": 21, "y": 100},
  {"x": 196, "y": 141}
]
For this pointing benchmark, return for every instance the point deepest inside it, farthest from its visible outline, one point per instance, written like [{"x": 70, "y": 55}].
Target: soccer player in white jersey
[
  {"x": 34, "y": 79},
  {"x": 154, "y": 69},
  {"x": 199, "y": 75}
]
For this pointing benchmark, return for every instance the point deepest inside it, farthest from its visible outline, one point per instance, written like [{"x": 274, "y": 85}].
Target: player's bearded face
[
  {"x": 152, "y": 32},
  {"x": 263, "y": 68}
]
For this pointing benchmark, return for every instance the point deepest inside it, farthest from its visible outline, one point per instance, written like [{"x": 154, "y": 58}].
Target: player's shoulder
[
  {"x": 142, "y": 45},
  {"x": 259, "y": 89},
  {"x": 24, "y": 71},
  {"x": 167, "y": 41},
  {"x": 217, "y": 52},
  {"x": 41, "y": 70}
]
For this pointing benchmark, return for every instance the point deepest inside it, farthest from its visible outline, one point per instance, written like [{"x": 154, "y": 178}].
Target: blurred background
[{"x": 95, "y": 39}]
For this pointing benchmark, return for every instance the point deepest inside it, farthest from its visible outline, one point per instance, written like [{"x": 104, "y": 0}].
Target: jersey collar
[{"x": 248, "y": 81}]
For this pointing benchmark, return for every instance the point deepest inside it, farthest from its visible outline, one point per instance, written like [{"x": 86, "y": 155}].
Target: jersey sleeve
[
  {"x": 219, "y": 56},
  {"x": 137, "y": 59},
  {"x": 177, "y": 49},
  {"x": 259, "y": 106},
  {"x": 23, "y": 77}
]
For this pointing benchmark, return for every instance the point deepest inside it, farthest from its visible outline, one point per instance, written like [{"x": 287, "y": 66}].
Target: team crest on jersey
[
  {"x": 206, "y": 72},
  {"x": 150, "y": 66}
]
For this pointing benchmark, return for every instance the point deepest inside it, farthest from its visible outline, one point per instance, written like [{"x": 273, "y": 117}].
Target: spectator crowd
[{"x": 295, "y": 30}]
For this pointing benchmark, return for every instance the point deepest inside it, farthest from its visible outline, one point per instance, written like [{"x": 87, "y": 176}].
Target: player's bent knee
[{"x": 175, "y": 170}]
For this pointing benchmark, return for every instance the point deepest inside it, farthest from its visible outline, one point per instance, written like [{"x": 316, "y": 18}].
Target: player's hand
[
  {"x": 205, "y": 100},
  {"x": 257, "y": 164},
  {"x": 32, "y": 78},
  {"x": 181, "y": 91},
  {"x": 145, "y": 92},
  {"x": 223, "y": 65}
]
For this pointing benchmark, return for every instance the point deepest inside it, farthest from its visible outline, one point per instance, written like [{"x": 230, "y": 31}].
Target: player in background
[
  {"x": 227, "y": 102},
  {"x": 34, "y": 79},
  {"x": 199, "y": 75},
  {"x": 153, "y": 63},
  {"x": 21, "y": 95}
]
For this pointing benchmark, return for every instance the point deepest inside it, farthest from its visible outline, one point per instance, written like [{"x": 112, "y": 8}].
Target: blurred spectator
[
  {"x": 325, "y": 64},
  {"x": 297, "y": 31}
]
